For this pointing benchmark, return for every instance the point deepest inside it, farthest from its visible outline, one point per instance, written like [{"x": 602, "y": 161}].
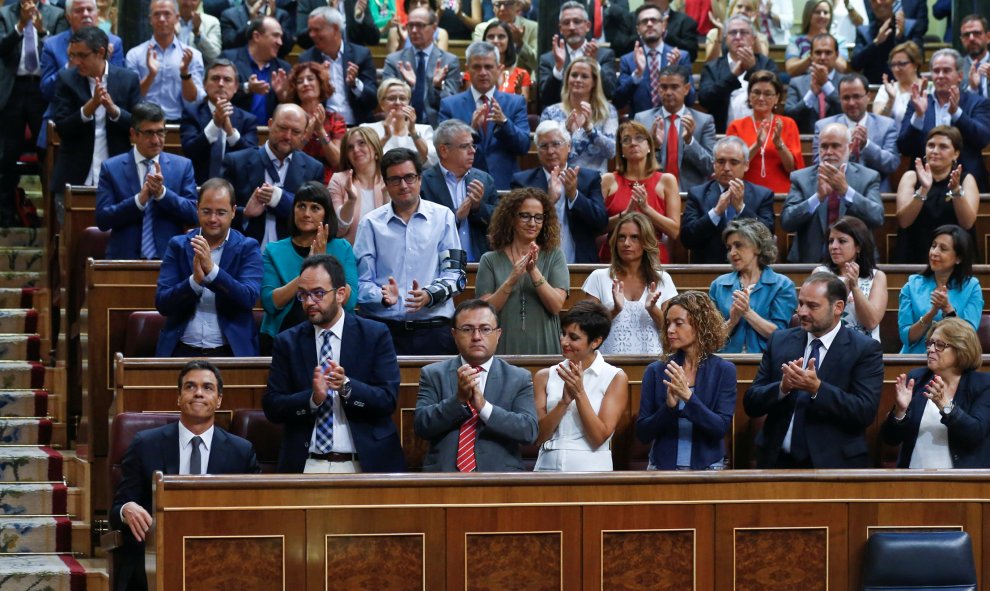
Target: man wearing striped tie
[{"x": 475, "y": 410}]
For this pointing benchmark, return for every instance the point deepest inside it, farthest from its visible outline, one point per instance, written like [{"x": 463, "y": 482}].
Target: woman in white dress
[
  {"x": 632, "y": 288},
  {"x": 579, "y": 401},
  {"x": 851, "y": 256}
]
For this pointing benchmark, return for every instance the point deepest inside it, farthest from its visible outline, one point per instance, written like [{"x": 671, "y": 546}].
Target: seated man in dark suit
[
  {"x": 475, "y": 410},
  {"x": 265, "y": 179},
  {"x": 145, "y": 196},
  {"x": 571, "y": 42},
  {"x": 876, "y": 38},
  {"x": 212, "y": 128},
  {"x": 209, "y": 282},
  {"x": 261, "y": 73},
  {"x": 337, "y": 404},
  {"x": 711, "y": 206},
  {"x": 235, "y": 27},
  {"x": 468, "y": 192},
  {"x": 575, "y": 192},
  {"x": 640, "y": 69},
  {"x": 192, "y": 445},
  {"x": 359, "y": 25},
  {"x": 818, "y": 386},
  {"x": 815, "y": 95}
]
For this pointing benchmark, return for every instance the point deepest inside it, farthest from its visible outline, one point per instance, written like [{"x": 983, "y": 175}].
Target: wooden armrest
[{"x": 112, "y": 540}]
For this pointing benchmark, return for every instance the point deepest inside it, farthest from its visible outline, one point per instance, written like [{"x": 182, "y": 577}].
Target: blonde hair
[
  {"x": 960, "y": 335},
  {"x": 599, "y": 104}
]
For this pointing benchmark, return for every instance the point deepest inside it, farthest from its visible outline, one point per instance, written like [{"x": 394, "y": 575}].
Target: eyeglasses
[
  {"x": 208, "y": 213},
  {"x": 470, "y": 330},
  {"x": 412, "y": 25},
  {"x": 150, "y": 133},
  {"x": 573, "y": 22},
  {"x": 503, "y": 4},
  {"x": 649, "y": 20},
  {"x": 939, "y": 345},
  {"x": 634, "y": 139},
  {"x": 526, "y": 217},
  {"x": 395, "y": 181},
  {"x": 316, "y": 295},
  {"x": 546, "y": 146},
  {"x": 80, "y": 55},
  {"x": 965, "y": 34}
]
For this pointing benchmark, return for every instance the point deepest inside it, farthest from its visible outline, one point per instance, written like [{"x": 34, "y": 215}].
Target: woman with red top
[
  {"x": 514, "y": 80},
  {"x": 309, "y": 86},
  {"x": 638, "y": 185},
  {"x": 774, "y": 141}
]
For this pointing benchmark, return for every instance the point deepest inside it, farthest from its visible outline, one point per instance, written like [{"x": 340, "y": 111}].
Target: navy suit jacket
[
  {"x": 246, "y": 171},
  {"x": 434, "y": 188},
  {"x": 243, "y": 62},
  {"x": 702, "y": 236},
  {"x": 586, "y": 218},
  {"x": 871, "y": 59},
  {"x": 973, "y": 123},
  {"x": 717, "y": 84},
  {"x": 637, "y": 94},
  {"x": 117, "y": 211},
  {"x": 369, "y": 360},
  {"x": 834, "y": 422},
  {"x": 236, "y": 288},
  {"x": 550, "y": 87},
  {"x": 55, "y": 54},
  {"x": 11, "y": 42},
  {"x": 197, "y": 148},
  {"x": 451, "y": 83},
  {"x": 364, "y": 103},
  {"x": 234, "y": 23},
  {"x": 500, "y": 147}
]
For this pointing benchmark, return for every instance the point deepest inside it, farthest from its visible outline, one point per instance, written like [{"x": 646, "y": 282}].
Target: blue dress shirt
[
  {"x": 773, "y": 297},
  {"x": 915, "y": 301}
]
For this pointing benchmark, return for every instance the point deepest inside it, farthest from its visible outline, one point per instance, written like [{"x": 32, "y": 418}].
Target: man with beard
[
  {"x": 976, "y": 64},
  {"x": 641, "y": 69},
  {"x": 818, "y": 386},
  {"x": 571, "y": 42},
  {"x": 874, "y": 40},
  {"x": 334, "y": 383}
]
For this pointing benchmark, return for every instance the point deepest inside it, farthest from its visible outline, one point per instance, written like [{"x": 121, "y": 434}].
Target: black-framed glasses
[
  {"x": 316, "y": 295},
  {"x": 526, "y": 217},
  {"x": 939, "y": 345},
  {"x": 395, "y": 181},
  {"x": 150, "y": 133},
  {"x": 470, "y": 330}
]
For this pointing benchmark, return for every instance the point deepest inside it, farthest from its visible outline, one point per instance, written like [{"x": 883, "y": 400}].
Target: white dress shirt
[{"x": 343, "y": 443}]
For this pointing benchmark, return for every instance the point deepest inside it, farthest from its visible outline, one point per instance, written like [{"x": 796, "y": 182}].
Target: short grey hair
[
  {"x": 753, "y": 231},
  {"x": 741, "y": 18},
  {"x": 837, "y": 125},
  {"x": 549, "y": 126},
  {"x": 174, "y": 3},
  {"x": 480, "y": 49},
  {"x": 732, "y": 140},
  {"x": 331, "y": 15},
  {"x": 69, "y": 3},
  {"x": 948, "y": 52},
  {"x": 447, "y": 130},
  {"x": 571, "y": 5}
]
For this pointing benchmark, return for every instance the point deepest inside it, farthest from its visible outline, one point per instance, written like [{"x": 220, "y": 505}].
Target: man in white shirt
[{"x": 572, "y": 42}]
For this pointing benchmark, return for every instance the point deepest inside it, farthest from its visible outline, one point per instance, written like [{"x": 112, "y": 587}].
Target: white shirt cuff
[
  {"x": 233, "y": 137},
  {"x": 276, "y": 197},
  {"x": 486, "y": 411},
  {"x": 211, "y": 131}
]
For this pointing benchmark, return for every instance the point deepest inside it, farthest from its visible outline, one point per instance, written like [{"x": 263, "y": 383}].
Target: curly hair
[
  {"x": 632, "y": 128},
  {"x": 599, "y": 104},
  {"x": 753, "y": 231},
  {"x": 649, "y": 265},
  {"x": 502, "y": 226},
  {"x": 322, "y": 79},
  {"x": 709, "y": 326},
  {"x": 369, "y": 136}
]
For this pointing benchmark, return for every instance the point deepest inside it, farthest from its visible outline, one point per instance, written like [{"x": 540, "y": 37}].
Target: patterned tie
[
  {"x": 833, "y": 207},
  {"x": 195, "y": 459},
  {"x": 148, "y": 249},
  {"x": 30, "y": 48},
  {"x": 466, "y": 440},
  {"x": 673, "y": 145},
  {"x": 484, "y": 122},
  {"x": 324, "y": 414},
  {"x": 766, "y": 25},
  {"x": 655, "y": 77},
  {"x": 419, "y": 92}
]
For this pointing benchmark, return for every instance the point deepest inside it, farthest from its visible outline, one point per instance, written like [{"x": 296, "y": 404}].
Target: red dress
[
  {"x": 767, "y": 170},
  {"x": 336, "y": 127},
  {"x": 616, "y": 203}
]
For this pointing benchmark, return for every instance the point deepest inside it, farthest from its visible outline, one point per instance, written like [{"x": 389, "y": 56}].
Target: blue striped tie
[
  {"x": 324, "y": 414},
  {"x": 148, "y": 248}
]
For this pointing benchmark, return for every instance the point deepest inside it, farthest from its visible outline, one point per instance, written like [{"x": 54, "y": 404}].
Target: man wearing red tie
[{"x": 475, "y": 410}]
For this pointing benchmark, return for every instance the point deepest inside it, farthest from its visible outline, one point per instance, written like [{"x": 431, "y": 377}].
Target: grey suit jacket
[
  {"x": 796, "y": 108},
  {"x": 694, "y": 159},
  {"x": 881, "y": 153},
  {"x": 439, "y": 415},
  {"x": 451, "y": 83},
  {"x": 812, "y": 226}
]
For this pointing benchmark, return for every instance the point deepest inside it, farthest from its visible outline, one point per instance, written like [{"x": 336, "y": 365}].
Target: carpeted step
[
  {"x": 33, "y": 499},
  {"x": 24, "y": 403},
  {"x": 36, "y": 573},
  {"x": 20, "y": 347},
  {"x": 13, "y": 258},
  {"x": 23, "y": 237},
  {"x": 16, "y": 297},
  {"x": 21, "y": 375},
  {"x": 20, "y": 279},
  {"x": 35, "y": 534},
  {"x": 19, "y": 321},
  {"x": 30, "y": 463},
  {"x": 17, "y": 431}
]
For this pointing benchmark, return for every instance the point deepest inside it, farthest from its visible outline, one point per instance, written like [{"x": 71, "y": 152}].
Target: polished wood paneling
[
  {"x": 244, "y": 564},
  {"x": 384, "y": 561},
  {"x": 661, "y": 560}
]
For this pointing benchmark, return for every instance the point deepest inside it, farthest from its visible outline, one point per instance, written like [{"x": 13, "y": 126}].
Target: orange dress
[
  {"x": 617, "y": 202},
  {"x": 767, "y": 170},
  {"x": 512, "y": 82}
]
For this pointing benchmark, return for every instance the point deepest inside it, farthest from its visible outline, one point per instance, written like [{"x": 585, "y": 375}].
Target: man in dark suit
[
  {"x": 824, "y": 192},
  {"x": 948, "y": 105},
  {"x": 815, "y": 95},
  {"x": 431, "y": 73},
  {"x": 55, "y": 53},
  {"x": 572, "y": 42},
  {"x": 467, "y": 191},
  {"x": 910, "y": 11},
  {"x": 640, "y": 69},
  {"x": 712, "y": 205},
  {"x": 351, "y": 70},
  {"x": 976, "y": 62},
  {"x": 474, "y": 409},
  {"x": 359, "y": 25},
  {"x": 261, "y": 73},
  {"x": 213, "y": 127},
  {"x": 191, "y": 445},
  {"x": 334, "y": 383},
  {"x": 721, "y": 79},
  {"x": 235, "y": 25},
  {"x": 884, "y": 31},
  {"x": 209, "y": 282},
  {"x": 818, "y": 386},
  {"x": 575, "y": 192},
  {"x": 682, "y": 30}
]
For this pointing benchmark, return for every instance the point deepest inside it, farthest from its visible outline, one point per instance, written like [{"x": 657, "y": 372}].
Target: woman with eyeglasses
[
  {"x": 308, "y": 85},
  {"x": 941, "y": 414},
  {"x": 638, "y": 185},
  {"x": 525, "y": 275},
  {"x": 579, "y": 401},
  {"x": 774, "y": 140},
  {"x": 892, "y": 99},
  {"x": 586, "y": 113},
  {"x": 817, "y": 20},
  {"x": 398, "y": 127},
  {"x": 358, "y": 187},
  {"x": 312, "y": 228}
]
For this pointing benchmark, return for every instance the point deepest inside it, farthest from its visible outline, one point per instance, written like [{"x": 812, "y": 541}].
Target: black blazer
[
  {"x": 682, "y": 31},
  {"x": 242, "y": 61},
  {"x": 434, "y": 188},
  {"x": 363, "y": 32},
  {"x": 234, "y": 23},
  {"x": 53, "y": 19},
  {"x": 586, "y": 219},
  {"x": 362, "y": 104},
  {"x": 717, "y": 84},
  {"x": 703, "y": 237},
  {"x": 550, "y": 87},
  {"x": 968, "y": 423},
  {"x": 196, "y": 147}
]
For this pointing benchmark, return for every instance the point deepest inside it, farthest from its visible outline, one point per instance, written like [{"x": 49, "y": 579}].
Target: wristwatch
[
  {"x": 345, "y": 389},
  {"x": 948, "y": 408}
]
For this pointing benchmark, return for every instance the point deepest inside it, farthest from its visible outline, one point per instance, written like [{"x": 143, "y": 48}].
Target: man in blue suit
[
  {"x": 498, "y": 118},
  {"x": 209, "y": 281},
  {"x": 191, "y": 445},
  {"x": 334, "y": 383},
  {"x": 818, "y": 386},
  {"x": 265, "y": 179},
  {"x": 261, "y": 73},
  {"x": 213, "y": 127},
  {"x": 575, "y": 192},
  {"x": 145, "y": 196},
  {"x": 640, "y": 69},
  {"x": 948, "y": 105}
]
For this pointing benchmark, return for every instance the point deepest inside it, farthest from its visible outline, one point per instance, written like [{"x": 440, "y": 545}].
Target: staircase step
[
  {"x": 17, "y": 431},
  {"x": 26, "y": 403},
  {"x": 33, "y": 499},
  {"x": 16, "y": 297},
  {"x": 20, "y": 259},
  {"x": 18, "y": 321},
  {"x": 96, "y": 574},
  {"x": 22, "y": 237},
  {"x": 21, "y": 375},
  {"x": 48, "y": 572},
  {"x": 30, "y": 463},
  {"x": 20, "y": 279},
  {"x": 35, "y": 534},
  {"x": 20, "y": 347}
]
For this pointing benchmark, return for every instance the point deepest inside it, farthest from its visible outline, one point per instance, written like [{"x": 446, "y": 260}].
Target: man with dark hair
[
  {"x": 359, "y": 24},
  {"x": 209, "y": 281},
  {"x": 475, "y": 410},
  {"x": 818, "y": 386},
  {"x": 682, "y": 30},
  {"x": 213, "y": 127},
  {"x": 145, "y": 196},
  {"x": 191, "y": 445},
  {"x": 236, "y": 29},
  {"x": 814, "y": 96},
  {"x": 55, "y": 53},
  {"x": 885, "y": 30},
  {"x": 334, "y": 383},
  {"x": 261, "y": 73},
  {"x": 640, "y": 69},
  {"x": 571, "y": 42},
  {"x": 410, "y": 262},
  {"x": 976, "y": 63}
]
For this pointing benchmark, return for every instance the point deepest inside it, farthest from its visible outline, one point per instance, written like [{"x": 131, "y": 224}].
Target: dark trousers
[
  {"x": 423, "y": 341},
  {"x": 25, "y": 108}
]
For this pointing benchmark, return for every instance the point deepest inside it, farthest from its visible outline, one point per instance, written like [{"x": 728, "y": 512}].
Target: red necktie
[
  {"x": 598, "y": 19},
  {"x": 466, "y": 439},
  {"x": 672, "y": 146},
  {"x": 833, "y": 207},
  {"x": 822, "y": 107}
]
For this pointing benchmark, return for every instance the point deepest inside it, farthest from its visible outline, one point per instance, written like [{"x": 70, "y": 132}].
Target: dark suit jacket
[
  {"x": 116, "y": 210},
  {"x": 637, "y": 95},
  {"x": 451, "y": 84},
  {"x": 871, "y": 59},
  {"x": 835, "y": 420},
  {"x": 682, "y": 31},
  {"x": 363, "y": 32},
  {"x": 369, "y": 360},
  {"x": 968, "y": 423},
  {"x": 233, "y": 29},
  {"x": 434, "y": 188},
  {"x": 158, "y": 450},
  {"x": 236, "y": 288},
  {"x": 619, "y": 26},
  {"x": 550, "y": 87},
  {"x": 796, "y": 108},
  {"x": 246, "y": 171},
  {"x": 76, "y": 152},
  {"x": 586, "y": 218},
  {"x": 242, "y": 61},
  {"x": 11, "y": 42},
  {"x": 915, "y": 12},
  {"x": 717, "y": 84},
  {"x": 55, "y": 54},
  {"x": 973, "y": 123},
  {"x": 439, "y": 415},
  {"x": 365, "y": 103},
  {"x": 197, "y": 147},
  {"x": 703, "y": 237}
]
